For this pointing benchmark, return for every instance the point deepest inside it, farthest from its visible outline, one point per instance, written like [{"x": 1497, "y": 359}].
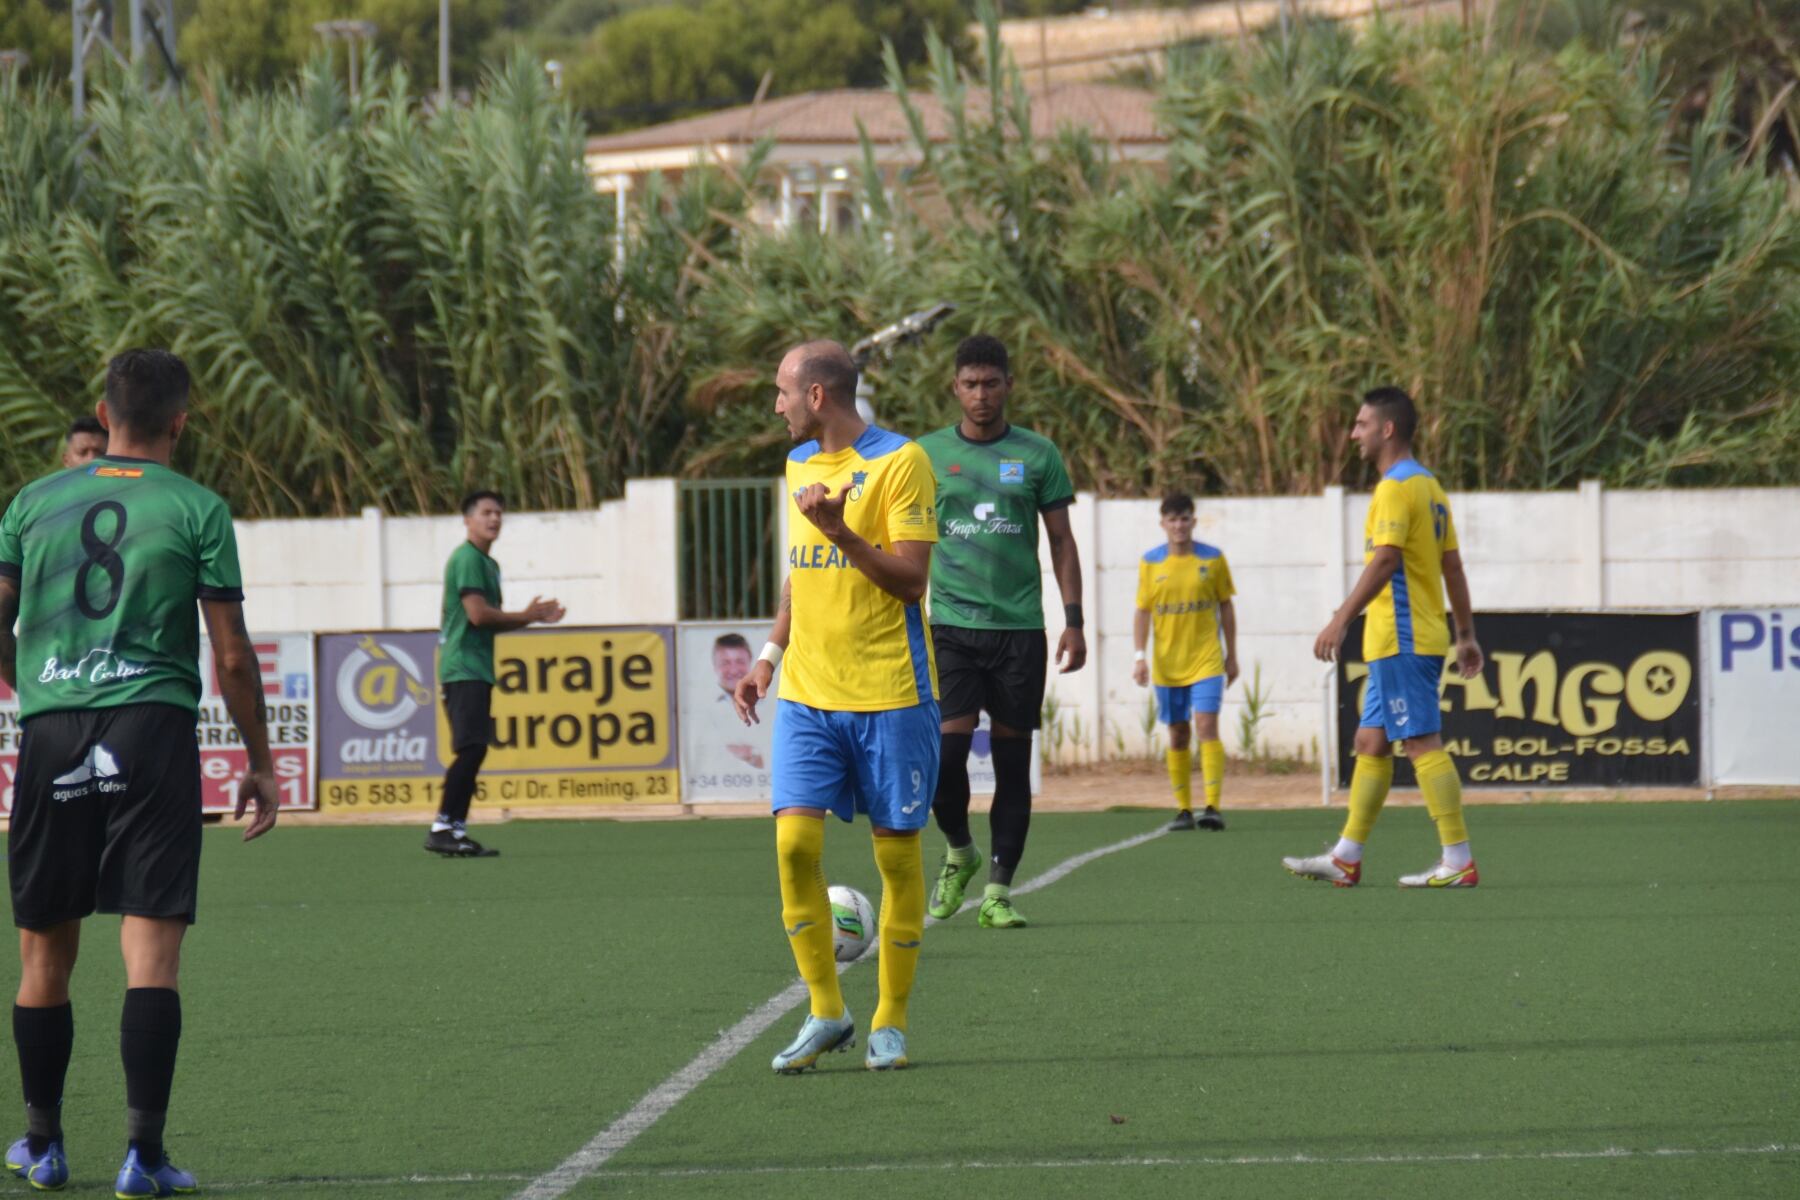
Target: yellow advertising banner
[{"x": 580, "y": 716}]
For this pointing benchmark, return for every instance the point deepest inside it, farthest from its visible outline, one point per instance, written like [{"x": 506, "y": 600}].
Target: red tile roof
[{"x": 1110, "y": 112}]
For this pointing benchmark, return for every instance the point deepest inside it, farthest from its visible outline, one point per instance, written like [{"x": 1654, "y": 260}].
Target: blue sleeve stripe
[
  {"x": 1402, "y": 610},
  {"x": 915, "y": 643}
]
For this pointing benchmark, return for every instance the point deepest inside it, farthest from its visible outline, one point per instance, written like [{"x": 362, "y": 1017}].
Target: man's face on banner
[{"x": 730, "y": 664}]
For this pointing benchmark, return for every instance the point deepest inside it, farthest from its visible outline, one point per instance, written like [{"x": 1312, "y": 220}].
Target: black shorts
[
  {"x": 470, "y": 706},
  {"x": 1001, "y": 670},
  {"x": 106, "y": 815}
]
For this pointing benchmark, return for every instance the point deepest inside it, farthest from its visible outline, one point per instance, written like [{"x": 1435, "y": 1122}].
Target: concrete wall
[
  {"x": 614, "y": 565},
  {"x": 1293, "y": 559}
]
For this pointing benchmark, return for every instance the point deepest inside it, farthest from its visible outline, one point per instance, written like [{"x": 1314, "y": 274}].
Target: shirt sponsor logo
[
  {"x": 986, "y": 520},
  {"x": 1177, "y": 607},
  {"x": 96, "y": 666},
  {"x": 1012, "y": 471},
  {"x": 817, "y": 557},
  {"x": 106, "y": 472}
]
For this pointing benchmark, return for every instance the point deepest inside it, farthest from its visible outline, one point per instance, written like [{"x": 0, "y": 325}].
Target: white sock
[
  {"x": 1457, "y": 857},
  {"x": 1347, "y": 851},
  {"x": 441, "y": 824}
]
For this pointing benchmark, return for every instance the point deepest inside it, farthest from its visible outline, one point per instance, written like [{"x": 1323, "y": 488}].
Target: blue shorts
[
  {"x": 884, "y": 764},
  {"x": 1402, "y": 696},
  {"x": 1177, "y": 705}
]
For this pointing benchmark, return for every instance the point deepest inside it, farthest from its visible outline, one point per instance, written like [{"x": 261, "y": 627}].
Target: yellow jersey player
[
  {"x": 1184, "y": 594},
  {"x": 856, "y": 722},
  {"x": 1410, "y": 560}
]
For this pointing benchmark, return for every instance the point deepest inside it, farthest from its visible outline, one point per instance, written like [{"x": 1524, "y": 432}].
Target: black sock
[
  {"x": 1010, "y": 818},
  {"x": 44, "y": 1037},
  {"x": 149, "y": 1035},
  {"x": 459, "y": 782},
  {"x": 951, "y": 803}
]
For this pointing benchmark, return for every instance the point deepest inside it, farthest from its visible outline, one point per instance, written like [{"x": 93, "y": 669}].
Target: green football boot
[
  {"x": 953, "y": 879},
  {"x": 997, "y": 912}
]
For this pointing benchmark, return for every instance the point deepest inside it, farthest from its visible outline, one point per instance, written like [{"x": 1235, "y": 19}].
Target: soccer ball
[{"x": 853, "y": 923}]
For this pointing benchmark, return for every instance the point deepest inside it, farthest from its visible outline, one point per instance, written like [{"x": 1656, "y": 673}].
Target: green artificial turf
[{"x": 1182, "y": 1019}]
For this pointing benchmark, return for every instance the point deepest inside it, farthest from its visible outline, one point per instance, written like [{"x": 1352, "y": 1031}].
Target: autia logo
[{"x": 379, "y": 685}]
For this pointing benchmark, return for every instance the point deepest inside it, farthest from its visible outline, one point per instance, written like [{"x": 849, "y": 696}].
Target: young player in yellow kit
[
  {"x": 1184, "y": 594},
  {"x": 856, "y": 726},
  {"x": 1410, "y": 560}
]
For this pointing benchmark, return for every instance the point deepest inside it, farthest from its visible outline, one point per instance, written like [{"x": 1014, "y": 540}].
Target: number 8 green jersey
[{"x": 110, "y": 559}]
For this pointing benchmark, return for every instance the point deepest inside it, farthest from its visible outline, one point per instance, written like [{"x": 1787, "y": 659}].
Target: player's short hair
[
  {"x": 829, "y": 365},
  {"x": 731, "y": 641},
  {"x": 146, "y": 390},
  {"x": 81, "y": 425},
  {"x": 1393, "y": 404},
  {"x": 1177, "y": 503},
  {"x": 474, "y": 498},
  {"x": 983, "y": 350}
]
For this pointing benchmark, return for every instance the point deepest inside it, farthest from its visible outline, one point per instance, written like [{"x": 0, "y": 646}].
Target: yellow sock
[
  {"x": 806, "y": 910},
  {"x": 1212, "y": 769},
  {"x": 1369, "y": 785},
  {"x": 1181, "y": 774},
  {"x": 1443, "y": 795},
  {"x": 902, "y": 866}
]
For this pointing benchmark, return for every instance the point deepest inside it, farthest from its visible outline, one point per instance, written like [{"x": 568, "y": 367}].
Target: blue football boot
[
  {"x": 817, "y": 1036},
  {"x": 135, "y": 1179},
  {"x": 887, "y": 1050},
  {"x": 47, "y": 1172}
]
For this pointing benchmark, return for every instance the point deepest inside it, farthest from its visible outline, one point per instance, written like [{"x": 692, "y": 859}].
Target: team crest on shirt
[
  {"x": 1012, "y": 471},
  {"x": 857, "y": 479}
]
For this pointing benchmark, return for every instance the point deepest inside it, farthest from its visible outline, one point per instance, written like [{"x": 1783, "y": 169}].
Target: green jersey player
[
  {"x": 994, "y": 482},
  {"x": 101, "y": 565}
]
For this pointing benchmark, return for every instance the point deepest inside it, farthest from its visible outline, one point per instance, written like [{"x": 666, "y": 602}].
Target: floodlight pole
[
  {"x": 443, "y": 55},
  {"x": 92, "y": 21}
]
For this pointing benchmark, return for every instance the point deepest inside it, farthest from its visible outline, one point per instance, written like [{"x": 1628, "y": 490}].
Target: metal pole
[
  {"x": 443, "y": 55},
  {"x": 137, "y": 31},
  {"x": 78, "y": 68}
]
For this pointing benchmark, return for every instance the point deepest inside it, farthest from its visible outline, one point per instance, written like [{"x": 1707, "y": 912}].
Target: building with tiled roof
[{"x": 816, "y": 157}]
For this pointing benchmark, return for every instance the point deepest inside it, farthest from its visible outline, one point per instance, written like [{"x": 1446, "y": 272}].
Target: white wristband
[
  {"x": 1138, "y": 657},
  {"x": 771, "y": 654}
]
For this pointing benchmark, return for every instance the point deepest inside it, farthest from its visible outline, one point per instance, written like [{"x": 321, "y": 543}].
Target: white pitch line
[
  {"x": 721, "y": 1050},
  {"x": 1283, "y": 1160},
  {"x": 263, "y": 1186}
]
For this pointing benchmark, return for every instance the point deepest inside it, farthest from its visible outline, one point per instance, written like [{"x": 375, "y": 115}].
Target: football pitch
[{"x": 1613, "y": 1012}]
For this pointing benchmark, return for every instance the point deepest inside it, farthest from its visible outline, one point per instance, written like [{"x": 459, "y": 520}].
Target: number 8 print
[{"x": 102, "y": 554}]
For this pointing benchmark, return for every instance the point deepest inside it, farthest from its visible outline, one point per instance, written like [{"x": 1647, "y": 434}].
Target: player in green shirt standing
[
  {"x": 994, "y": 481},
  {"x": 100, "y": 566},
  {"x": 472, "y": 616}
]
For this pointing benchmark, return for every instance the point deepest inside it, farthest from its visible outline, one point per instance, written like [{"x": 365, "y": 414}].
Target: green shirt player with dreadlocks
[
  {"x": 994, "y": 482},
  {"x": 101, "y": 566}
]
